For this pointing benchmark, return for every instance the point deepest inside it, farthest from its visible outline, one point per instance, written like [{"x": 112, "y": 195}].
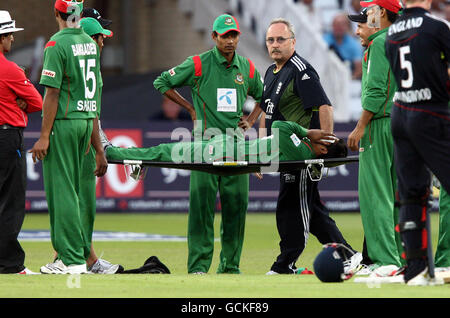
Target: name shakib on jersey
[
  {"x": 404, "y": 25},
  {"x": 87, "y": 106},
  {"x": 84, "y": 49},
  {"x": 413, "y": 96}
]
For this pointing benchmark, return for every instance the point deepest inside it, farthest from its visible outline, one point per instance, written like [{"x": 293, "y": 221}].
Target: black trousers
[
  {"x": 12, "y": 199},
  {"x": 300, "y": 212},
  {"x": 421, "y": 147}
]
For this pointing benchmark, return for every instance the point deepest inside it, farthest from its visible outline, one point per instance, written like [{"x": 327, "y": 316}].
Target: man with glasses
[{"x": 292, "y": 92}]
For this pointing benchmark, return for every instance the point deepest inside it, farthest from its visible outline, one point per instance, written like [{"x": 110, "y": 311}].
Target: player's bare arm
[
  {"x": 326, "y": 118},
  {"x": 251, "y": 119},
  {"x": 49, "y": 109},
  {"x": 357, "y": 133},
  {"x": 100, "y": 159}
]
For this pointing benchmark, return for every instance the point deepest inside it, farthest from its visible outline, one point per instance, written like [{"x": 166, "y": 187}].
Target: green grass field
[{"x": 260, "y": 250}]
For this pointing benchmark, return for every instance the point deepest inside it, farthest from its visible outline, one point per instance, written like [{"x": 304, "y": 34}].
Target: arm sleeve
[
  {"x": 287, "y": 128},
  {"x": 53, "y": 68},
  {"x": 181, "y": 75},
  {"x": 377, "y": 79},
  {"x": 25, "y": 90},
  {"x": 445, "y": 40},
  {"x": 308, "y": 87},
  {"x": 256, "y": 87}
]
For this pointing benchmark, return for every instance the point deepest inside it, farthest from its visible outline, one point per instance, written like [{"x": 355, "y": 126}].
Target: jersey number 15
[{"x": 88, "y": 75}]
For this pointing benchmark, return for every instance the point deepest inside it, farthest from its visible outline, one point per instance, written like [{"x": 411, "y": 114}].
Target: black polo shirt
[{"x": 293, "y": 93}]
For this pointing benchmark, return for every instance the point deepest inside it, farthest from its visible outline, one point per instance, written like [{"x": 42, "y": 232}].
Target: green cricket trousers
[
  {"x": 63, "y": 171},
  {"x": 377, "y": 185},
  {"x": 442, "y": 258},
  {"x": 233, "y": 192}
]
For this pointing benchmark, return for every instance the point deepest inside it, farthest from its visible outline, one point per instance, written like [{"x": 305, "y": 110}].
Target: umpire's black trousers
[
  {"x": 300, "y": 212},
  {"x": 12, "y": 199}
]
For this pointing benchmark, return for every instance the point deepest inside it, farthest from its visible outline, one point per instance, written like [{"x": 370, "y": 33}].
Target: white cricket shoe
[
  {"x": 353, "y": 264},
  {"x": 385, "y": 271},
  {"x": 272, "y": 273},
  {"x": 366, "y": 270},
  {"x": 58, "y": 267},
  {"x": 424, "y": 279},
  {"x": 26, "y": 271},
  {"x": 102, "y": 266}
]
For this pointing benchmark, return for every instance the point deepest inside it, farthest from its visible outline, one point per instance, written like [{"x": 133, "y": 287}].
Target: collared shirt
[
  {"x": 72, "y": 65},
  {"x": 292, "y": 93},
  {"x": 219, "y": 89},
  {"x": 13, "y": 85},
  {"x": 377, "y": 84}
]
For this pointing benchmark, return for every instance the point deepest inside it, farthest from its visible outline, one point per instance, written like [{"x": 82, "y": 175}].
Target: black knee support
[{"x": 413, "y": 227}]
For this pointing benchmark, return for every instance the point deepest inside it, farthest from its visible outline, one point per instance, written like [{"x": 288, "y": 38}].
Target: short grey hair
[{"x": 289, "y": 25}]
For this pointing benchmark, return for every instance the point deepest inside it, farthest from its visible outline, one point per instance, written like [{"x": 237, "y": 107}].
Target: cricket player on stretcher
[{"x": 289, "y": 141}]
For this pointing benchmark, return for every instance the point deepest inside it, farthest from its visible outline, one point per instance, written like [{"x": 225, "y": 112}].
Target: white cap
[{"x": 7, "y": 25}]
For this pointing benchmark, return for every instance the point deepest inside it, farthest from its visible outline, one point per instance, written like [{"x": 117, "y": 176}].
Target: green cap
[
  {"x": 91, "y": 26},
  {"x": 225, "y": 23}
]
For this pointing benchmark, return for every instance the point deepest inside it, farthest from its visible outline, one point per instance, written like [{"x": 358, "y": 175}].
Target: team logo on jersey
[
  {"x": 48, "y": 73},
  {"x": 269, "y": 108},
  {"x": 229, "y": 21},
  {"x": 289, "y": 178},
  {"x": 239, "y": 79},
  {"x": 172, "y": 72}
]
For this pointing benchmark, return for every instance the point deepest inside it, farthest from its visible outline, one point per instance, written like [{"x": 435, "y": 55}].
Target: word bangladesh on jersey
[{"x": 83, "y": 49}]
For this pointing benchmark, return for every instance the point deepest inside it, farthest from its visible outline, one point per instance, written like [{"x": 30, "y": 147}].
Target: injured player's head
[{"x": 336, "y": 149}]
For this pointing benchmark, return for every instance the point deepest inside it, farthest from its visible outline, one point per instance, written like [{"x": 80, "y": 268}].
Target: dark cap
[
  {"x": 359, "y": 18},
  {"x": 92, "y": 13}
]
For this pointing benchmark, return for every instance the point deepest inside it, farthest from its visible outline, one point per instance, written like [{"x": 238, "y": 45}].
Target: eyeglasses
[{"x": 280, "y": 40}]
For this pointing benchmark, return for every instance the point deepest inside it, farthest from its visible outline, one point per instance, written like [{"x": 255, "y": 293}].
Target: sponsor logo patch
[
  {"x": 172, "y": 72},
  {"x": 226, "y": 100},
  {"x": 48, "y": 73},
  {"x": 295, "y": 140}
]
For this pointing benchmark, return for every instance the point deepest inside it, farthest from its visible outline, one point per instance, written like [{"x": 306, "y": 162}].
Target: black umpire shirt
[
  {"x": 293, "y": 93},
  {"x": 418, "y": 50}
]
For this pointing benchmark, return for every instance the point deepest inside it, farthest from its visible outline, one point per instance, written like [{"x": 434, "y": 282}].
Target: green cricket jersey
[
  {"x": 219, "y": 90},
  {"x": 288, "y": 142},
  {"x": 378, "y": 83},
  {"x": 71, "y": 56}
]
